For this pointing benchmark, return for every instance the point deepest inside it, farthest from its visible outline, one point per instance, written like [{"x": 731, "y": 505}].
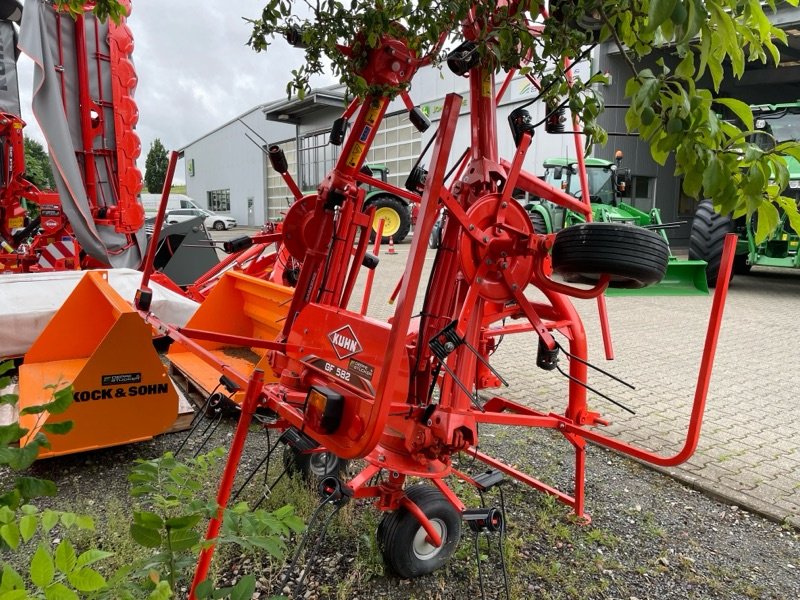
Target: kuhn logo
[
  {"x": 51, "y": 224},
  {"x": 344, "y": 342}
]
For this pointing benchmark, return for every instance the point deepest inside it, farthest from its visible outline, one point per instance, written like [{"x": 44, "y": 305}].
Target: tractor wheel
[
  {"x": 634, "y": 257},
  {"x": 538, "y": 222},
  {"x": 313, "y": 466},
  {"x": 708, "y": 237},
  {"x": 396, "y": 216},
  {"x": 402, "y": 539}
]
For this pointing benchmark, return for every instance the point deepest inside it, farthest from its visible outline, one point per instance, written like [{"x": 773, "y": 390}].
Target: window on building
[
  {"x": 317, "y": 157},
  {"x": 219, "y": 200},
  {"x": 397, "y": 145},
  {"x": 278, "y": 195},
  {"x": 641, "y": 193}
]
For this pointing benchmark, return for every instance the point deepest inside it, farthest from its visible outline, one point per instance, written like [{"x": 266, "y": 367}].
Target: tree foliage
[
  {"x": 37, "y": 165},
  {"x": 670, "y": 110},
  {"x": 155, "y": 167}
]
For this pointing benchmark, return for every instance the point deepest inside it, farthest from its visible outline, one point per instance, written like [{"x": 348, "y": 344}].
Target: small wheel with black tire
[
  {"x": 403, "y": 541},
  {"x": 632, "y": 256},
  {"x": 396, "y": 219},
  {"x": 219, "y": 226},
  {"x": 707, "y": 238},
  {"x": 436, "y": 234}
]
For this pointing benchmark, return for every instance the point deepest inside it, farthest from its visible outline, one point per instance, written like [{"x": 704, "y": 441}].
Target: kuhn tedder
[{"x": 404, "y": 395}]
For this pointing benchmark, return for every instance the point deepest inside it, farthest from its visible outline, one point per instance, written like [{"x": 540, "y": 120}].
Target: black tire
[
  {"x": 401, "y": 216},
  {"x": 313, "y": 466},
  {"x": 219, "y": 226},
  {"x": 538, "y": 222},
  {"x": 634, "y": 257},
  {"x": 707, "y": 238},
  {"x": 436, "y": 234},
  {"x": 401, "y": 538}
]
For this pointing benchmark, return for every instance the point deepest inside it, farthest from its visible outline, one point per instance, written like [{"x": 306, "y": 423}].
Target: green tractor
[
  {"x": 398, "y": 214},
  {"x": 607, "y": 185},
  {"x": 774, "y": 123}
]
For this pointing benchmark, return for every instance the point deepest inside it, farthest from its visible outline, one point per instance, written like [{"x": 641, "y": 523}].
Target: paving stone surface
[{"x": 749, "y": 448}]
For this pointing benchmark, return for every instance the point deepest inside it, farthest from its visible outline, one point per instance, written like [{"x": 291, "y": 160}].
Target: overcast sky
[{"x": 195, "y": 69}]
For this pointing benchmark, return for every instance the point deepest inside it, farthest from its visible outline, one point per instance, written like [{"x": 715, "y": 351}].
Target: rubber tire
[
  {"x": 401, "y": 209},
  {"x": 707, "y": 238},
  {"x": 397, "y": 532},
  {"x": 219, "y": 226},
  {"x": 436, "y": 234},
  {"x": 538, "y": 222},
  {"x": 634, "y": 257},
  {"x": 312, "y": 467}
]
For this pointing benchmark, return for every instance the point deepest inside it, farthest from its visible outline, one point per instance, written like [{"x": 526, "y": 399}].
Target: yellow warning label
[
  {"x": 486, "y": 85},
  {"x": 355, "y": 155},
  {"x": 16, "y": 222},
  {"x": 374, "y": 111}
]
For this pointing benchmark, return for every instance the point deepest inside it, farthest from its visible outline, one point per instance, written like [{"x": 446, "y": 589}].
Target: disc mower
[{"x": 408, "y": 394}]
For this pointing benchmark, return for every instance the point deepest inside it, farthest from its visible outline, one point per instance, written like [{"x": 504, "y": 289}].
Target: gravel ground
[{"x": 650, "y": 537}]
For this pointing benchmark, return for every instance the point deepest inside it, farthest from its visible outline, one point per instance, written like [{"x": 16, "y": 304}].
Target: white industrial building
[{"x": 227, "y": 169}]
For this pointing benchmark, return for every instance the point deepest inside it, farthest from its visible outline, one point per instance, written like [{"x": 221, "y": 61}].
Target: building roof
[
  {"x": 261, "y": 107},
  {"x": 295, "y": 110}
]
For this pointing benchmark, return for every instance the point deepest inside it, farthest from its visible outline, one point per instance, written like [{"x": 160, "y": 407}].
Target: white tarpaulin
[{"x": 29, "y": 300}]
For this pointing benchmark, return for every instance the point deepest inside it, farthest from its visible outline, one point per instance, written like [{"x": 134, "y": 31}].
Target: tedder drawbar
[{"x": 404, "y": 395}]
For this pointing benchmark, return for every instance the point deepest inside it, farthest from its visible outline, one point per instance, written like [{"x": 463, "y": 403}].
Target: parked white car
[{"x": 212, "y": 220}]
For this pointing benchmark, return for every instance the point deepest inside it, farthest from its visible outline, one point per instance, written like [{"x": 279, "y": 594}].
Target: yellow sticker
[
  {"x": 374, "y": 111},
  {"x": 486, "y": 85},
  {"x": 355, "y": 155},
  {"x": 16, "y": 222}
]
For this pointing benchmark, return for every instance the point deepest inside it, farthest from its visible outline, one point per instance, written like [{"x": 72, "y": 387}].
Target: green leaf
[
  {"x": 49, "y": 520},
  {"x": 27, "y": 526},
  {"x": 10, "y": 534},
  {"x": 66, "y": 559},
  {"x": 6, "y": 366},
  {"x": 8, "y": 398},
  {"x": 183, "y": 522},
  {"x": 183, "y": 539},
  {"x": 244, "y": 589},
  {"x": 33, "y": 487},
  {"x": 84, "y": 522},
  {"x": 11, "y": 433},
  {"x": 162, "y": 592},
  {"x": 6, "y": 514},
  {"x": 659, "y": 11},
  {"x": 10, "y": 580},
  {"x": 58, "y": 591},
  {"x": 62, "y": 399},
  {"x": 144, "y": 536},
  {"x": 148, "y": 519},
  {"x": 740, "y": 109},
  {"x": 42, "y": 569},
  {"x": 203, "y": 589},
  {"x": 91, "y": 556},
  {"x": 68, "y": 519},
  {"x": 86, "y": 580},
  {"x": 767, "y": 221},
  {"x": 58, "y": 428},
  {"x": 14, "y": 595},
  {"x": 24, "y": 457}
]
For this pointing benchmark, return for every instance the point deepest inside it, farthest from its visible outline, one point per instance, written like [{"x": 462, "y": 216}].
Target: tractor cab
[{"x": 605, "y": 184}]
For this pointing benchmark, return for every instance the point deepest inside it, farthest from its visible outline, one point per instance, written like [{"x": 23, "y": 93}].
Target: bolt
[
  {"x": 504, "y": 254},
  {"x": 488, "y": 261},
  {"x": 381, "y": 458},
  {"x": 430, "y": 422},
  {"x": 486, "y": 239},
  {"x": 449, "y": 346},
  {"x": 472, "y": 227},
  {"x": 562, "y": 426},
  {"x": 503, "y": 204},
  {"x": 514, "y": 286},
  {"x": 504, "y": 266},
  {"x": 480, "y": 280}
]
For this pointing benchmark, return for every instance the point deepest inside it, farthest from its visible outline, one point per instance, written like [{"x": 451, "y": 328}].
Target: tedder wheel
[
  {"x": 219, "y": 225},
  {"x": 708, "y": 237},
  {"x": 313, "y": 466},
  {"x": 396, "y": 217},
  {"x": 403, "y": 541},
  {"x": 634, "y": 257}
]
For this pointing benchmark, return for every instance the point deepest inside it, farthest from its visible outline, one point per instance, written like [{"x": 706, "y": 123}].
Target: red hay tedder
[{"x": 404, "y": 395}]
